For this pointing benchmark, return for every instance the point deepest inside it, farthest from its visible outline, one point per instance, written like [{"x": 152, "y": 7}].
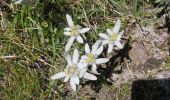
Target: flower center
[
  {"x": 91, "y": 58},
  {"x": 71, "y": 70},
  {"x": 74, "y": 31},
  {"x": 113, "y": 37}
]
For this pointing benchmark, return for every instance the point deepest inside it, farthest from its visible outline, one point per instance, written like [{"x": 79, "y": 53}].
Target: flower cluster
[{"x": 78, "y": 67}]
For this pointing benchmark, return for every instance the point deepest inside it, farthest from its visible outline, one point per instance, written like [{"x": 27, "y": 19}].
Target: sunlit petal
[
  {"x": 67, "y": 29},
  {"x": 117, "y": 27},
  {"x": 77, "y": 81},
  {"x": 69, "y": 43},
  {"x": 87, "y": 48},
  {"x": 69, "y": 20},
  {"x": 82, "y": 65},
  {"x": 78, "y": 26},
  {"x": 67, "y": 33},
  {"x": 101, "y": 60},
  {"x": 109, "y": 31},
  {"x": 104, "y": 36},
  {"x": 99, "y": 51},
  {"x": 120, "y": 35},
  {"x": 66, "y": 78},
  {"x": 73, "y": 83},
  {"x": 84, "y": 57},
  {"x": 90, "y": 76},
  {"x": 84, "y": 30},
  {"x": 75, "y": 56},
  {"x": 79, "y": 39},
  {"x": 95, "y": 46},
  {"x": 58, "y": 75},
  {"x": 110, "y": 48},
  {"x": 82, "y": 72},
  {"x": 68, "y": 59}
]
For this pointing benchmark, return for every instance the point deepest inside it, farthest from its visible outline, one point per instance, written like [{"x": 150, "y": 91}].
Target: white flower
[
  {"x": 74, "y": 31},
  {"x": 72, "y": 71},
  {"x": 91, "y": 57},
  {"x": 113, "y": 37}
]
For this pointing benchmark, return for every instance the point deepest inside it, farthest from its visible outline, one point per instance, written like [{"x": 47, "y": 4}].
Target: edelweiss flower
[
  {"x": 113, "y": 37},
  {"x": 72, "y": 71},
  {"x": 91, "y": 57},
  {"x": 74, "y": 32}
]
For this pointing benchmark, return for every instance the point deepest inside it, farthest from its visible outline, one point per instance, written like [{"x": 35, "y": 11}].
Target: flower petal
[
  {"x": 66, "y": 78},
  {"x": 82, "y": 65},
  {"x": 118, "y": 44},
  {"x": 84, "y": 30},
  {"x": 69, "y": 43},
  {"x": 67, "y": 29},
  {"x": 117, "y": 27},
  {"x": 82, "y": 72},
  {"x": 78, "y": 26},
  {"x": 120, "y": 35},
  {"x": 77, "y": 81},
  {"x": 84, "y": 57},
  {"x": 58, "y": 75},
  {"x": 101, "y": 60},
  {"x": 75, "y": 56},
  {"x": 99, "y": 51},
  {"x": 68, "y": 58},
  {"x": 94, "y": 69},
  {"x": 109, "y": 31},
  {"x": 95, "y": 46},
  {"x": 67, "y": 33},
  {"x": 73, "y": 83},
  {"x": 79, "y": 39},
  {"x": 110, "y": 48},
  {"x": 90, "y": 76},
  {"x": 69, "y": 20},
  {"x": 104, "y": 36},
  {"x": 87, "y": 48}
]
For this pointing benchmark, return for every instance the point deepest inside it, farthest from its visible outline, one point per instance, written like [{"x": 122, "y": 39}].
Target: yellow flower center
[
  {"x": 71, "y": 70},
  {"x": 113, "y": 37},
  {"x": 91, "y": 58},
  {"x": 74, "y": 31}
]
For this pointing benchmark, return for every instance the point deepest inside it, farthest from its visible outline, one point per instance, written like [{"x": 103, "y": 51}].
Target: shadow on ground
[{"x": 157, "y": 89}]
